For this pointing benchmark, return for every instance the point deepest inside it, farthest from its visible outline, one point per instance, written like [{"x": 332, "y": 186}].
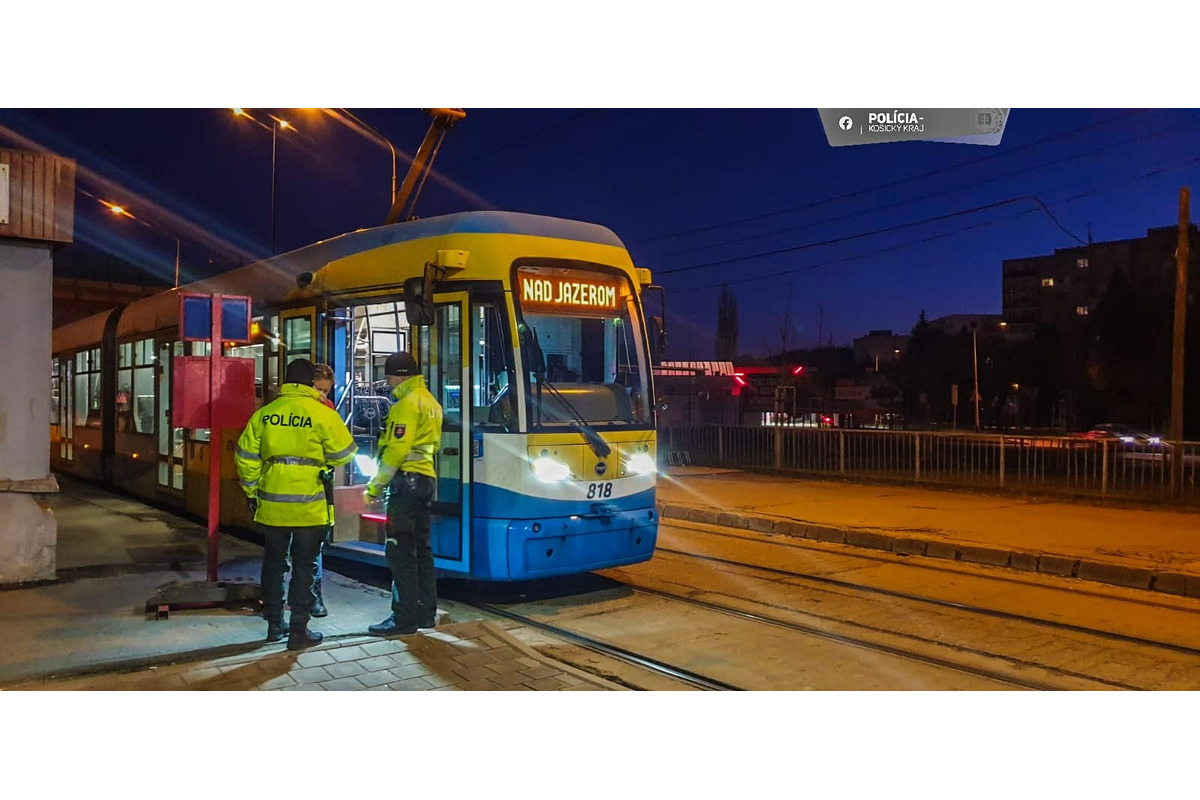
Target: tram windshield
[{"x": 591, "y": 336}]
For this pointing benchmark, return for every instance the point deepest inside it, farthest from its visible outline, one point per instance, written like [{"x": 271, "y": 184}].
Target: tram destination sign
[{"x": 566, "y": 294}]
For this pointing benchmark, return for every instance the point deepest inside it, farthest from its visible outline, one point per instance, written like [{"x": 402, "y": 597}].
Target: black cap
[
  {"x": 401, "y": 365},
  {"x": 299, "y": 371}
]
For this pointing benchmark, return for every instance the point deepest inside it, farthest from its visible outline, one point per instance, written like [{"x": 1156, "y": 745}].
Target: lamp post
[
  {"x": 121, "y": 211},
  {"x": 275, "y": 128}
]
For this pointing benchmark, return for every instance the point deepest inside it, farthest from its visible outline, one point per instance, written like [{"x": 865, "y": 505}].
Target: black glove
[{"x": 252, "y": 504}]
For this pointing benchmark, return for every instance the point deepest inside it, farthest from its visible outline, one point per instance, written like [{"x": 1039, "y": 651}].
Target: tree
[{"x": 727, "y": 325}]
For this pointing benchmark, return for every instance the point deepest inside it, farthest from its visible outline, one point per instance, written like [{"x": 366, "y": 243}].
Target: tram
[{"x": 529, "y": 330}]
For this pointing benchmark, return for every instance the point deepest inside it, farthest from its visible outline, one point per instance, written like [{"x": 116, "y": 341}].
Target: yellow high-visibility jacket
[
  {"x": 282, "y": 451},
  {"x": 411, "y": 436}
]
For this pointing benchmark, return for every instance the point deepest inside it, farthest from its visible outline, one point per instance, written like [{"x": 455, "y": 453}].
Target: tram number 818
[{"x": 599, "y": 490}]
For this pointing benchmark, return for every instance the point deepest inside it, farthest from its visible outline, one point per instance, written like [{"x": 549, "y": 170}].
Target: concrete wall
[{"x": 28, "y": 532}]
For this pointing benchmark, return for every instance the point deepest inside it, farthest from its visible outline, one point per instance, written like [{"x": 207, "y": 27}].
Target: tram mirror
[
  {"x": 659, "y": 332},
  {"x": 531, "y": 351},
  {"x": 418, "y": 301}
]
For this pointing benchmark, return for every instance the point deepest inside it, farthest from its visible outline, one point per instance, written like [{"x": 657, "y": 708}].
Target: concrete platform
[{"x": 89, "y": 627}]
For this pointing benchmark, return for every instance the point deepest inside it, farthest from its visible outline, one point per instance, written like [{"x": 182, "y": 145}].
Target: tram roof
[{"x": 272, "y": 278}]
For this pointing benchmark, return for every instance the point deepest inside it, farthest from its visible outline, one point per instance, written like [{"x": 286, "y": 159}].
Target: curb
[{"x": 1107, "y": 572}]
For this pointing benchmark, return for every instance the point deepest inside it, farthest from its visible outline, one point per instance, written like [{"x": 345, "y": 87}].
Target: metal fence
[{"x": 1063, "y": 465}]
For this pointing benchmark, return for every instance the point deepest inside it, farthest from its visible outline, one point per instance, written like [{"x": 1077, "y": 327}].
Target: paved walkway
[
  {"x": 90, "y": 626},
  {"x": 463, "y": 656},
  {"x": 1149, "y": 549}
]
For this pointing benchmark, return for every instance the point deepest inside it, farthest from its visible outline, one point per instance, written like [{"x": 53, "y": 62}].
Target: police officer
[
  {"x": 323, "y": 383},
  {"x": 279, "y": 457},
  {"x": 412, "y": 433}
]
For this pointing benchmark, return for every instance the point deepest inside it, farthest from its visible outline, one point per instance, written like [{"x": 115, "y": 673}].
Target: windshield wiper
[{"x": 599, "y": 446}]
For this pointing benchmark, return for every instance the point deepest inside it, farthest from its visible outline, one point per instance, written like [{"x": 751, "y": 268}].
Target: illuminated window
[
  {"x": 1081, "y": 263},
  {"x": 1047, "y": 282},
  {"x": 1081, "y": 310},
  {"x": 135, "y": 387},
  {"x": 87, "y": 387}
]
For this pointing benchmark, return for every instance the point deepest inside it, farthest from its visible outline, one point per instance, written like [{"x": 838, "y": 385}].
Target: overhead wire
[{"x": 899, "y": 182}]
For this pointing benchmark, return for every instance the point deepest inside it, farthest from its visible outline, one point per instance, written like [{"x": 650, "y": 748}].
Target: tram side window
[
  {"x": 55, "y": 393},
  {"x": 376, "y": 331},
  {"x": 493, "y": 393},
  {"x": 87, "y": 387},
  {"x": 135, "y": 386}
]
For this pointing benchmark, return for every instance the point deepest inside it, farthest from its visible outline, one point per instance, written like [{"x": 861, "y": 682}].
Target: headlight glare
[{"x": 547, "y": 470}]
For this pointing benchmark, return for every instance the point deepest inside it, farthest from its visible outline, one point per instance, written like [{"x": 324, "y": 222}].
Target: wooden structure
[{"x": 41, "y": 196}]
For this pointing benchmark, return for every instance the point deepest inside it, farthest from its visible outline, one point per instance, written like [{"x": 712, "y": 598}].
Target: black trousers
[
  {"x": 304, "y": 544},
  {"x": 408, "y": 550}
]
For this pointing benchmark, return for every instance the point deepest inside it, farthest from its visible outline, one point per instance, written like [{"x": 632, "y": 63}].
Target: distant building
[
  {"x": 878, "y": 348},
  {"x": 966, "y": 323},
  {"x": 1060, "y": 289}
]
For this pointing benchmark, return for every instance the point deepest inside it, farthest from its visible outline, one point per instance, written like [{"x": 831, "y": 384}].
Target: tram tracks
[{"x": 931, "y": 601}]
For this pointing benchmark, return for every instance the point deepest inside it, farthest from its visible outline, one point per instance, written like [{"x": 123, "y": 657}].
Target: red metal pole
[{"x": 214, "y": 441}]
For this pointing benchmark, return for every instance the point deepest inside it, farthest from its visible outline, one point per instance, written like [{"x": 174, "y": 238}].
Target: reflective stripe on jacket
[
  {"x": 411, "y": 436},
  {"x": 282, "y": 451}
]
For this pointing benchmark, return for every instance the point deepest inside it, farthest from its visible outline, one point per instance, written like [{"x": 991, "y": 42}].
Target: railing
[{"x": 1061, "y": 465}]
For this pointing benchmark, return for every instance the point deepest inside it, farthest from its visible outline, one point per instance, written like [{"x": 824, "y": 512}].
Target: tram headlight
[
  {"x": 641, "y": 464},
  {"x": 547, "y": 470},
  {"x": 366, "y": 466}
]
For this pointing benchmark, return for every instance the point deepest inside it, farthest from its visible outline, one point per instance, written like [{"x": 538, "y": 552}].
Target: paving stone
[
  {"x": 447, "y": 688},
  {"x": 310, "y": 675},
  {"x": 1115, "y": 574},
  {"x": 474, "y": 659},
  {"x": 411, "y": 671},
  {"x": 870, "y": 539},
  {"x": 440, "y": 679},
  {"x": 491, "y": 641},
  {"x": 201, "y": 674},
  {"x": 278, "y": 682},
  {"x": 405, "y": 659},
  {"x": 821, "y": 533},
  {"x": 378, "y": 663},
  {"x": 1057, "y": 565},
  {"x": 342, "y": 685},
  {"x": 909, "y": 547},
  {"x": 510, "y": 665},
  {"x": 345, "y": 670},
  {"x": 536, "y": 673},
  {"x": 410, "y": 685},
  {"x": 507, "y": 679},
  {"x": 383, "y": 648},
  {"x": 474, "y": 673},
  {"x": 761, "y": 524},
  {"x": 941, "y": 550},
  {"x": 790, "y": 527},
  {"x": 352, "y": 653},
  {"x": 380, "y": 688},
  {"x": 546, "y": 684},
  {"x": 986, "y": 555},
  {"x": 1170, "y": 583},
  {"x": 375, "y": 678},
  {"x": 581, "y": 687},
  {"x": 304, "y": 687},
  {"x": 529, "y": 662},
  {"x": 731, "y": 520},
  {"x": 317, "y": 659},
  {"x": 1026, "y": 562},
  {"x": 706, "y": 515},
  {"x": 675, "y": 512}
]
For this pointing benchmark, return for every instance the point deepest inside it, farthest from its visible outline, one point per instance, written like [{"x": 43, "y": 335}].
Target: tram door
[
  {"x": 170, "y": 440},
  {"x": 442, "y": 352}
]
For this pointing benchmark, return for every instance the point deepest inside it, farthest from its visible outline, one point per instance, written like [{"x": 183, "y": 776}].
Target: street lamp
[
  {"x": 279, "y": 124},
  {"x": 121, "y": 211}
]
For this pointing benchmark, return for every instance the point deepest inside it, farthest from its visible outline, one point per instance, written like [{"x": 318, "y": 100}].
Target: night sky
[{"x": 650, "y": 176}]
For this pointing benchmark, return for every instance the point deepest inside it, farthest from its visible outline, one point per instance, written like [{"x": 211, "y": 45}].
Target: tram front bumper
[{"x": 540, "y": 548}]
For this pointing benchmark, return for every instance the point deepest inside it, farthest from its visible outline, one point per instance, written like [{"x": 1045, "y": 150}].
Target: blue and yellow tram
[{"x": 532, "y": 336}]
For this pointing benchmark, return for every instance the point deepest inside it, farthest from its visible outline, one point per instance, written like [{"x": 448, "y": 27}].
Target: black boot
[
  {"x": 299, "y": 636},
  {"x": 276, "y": 629},
  {"x": 318, "y": 609}
]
